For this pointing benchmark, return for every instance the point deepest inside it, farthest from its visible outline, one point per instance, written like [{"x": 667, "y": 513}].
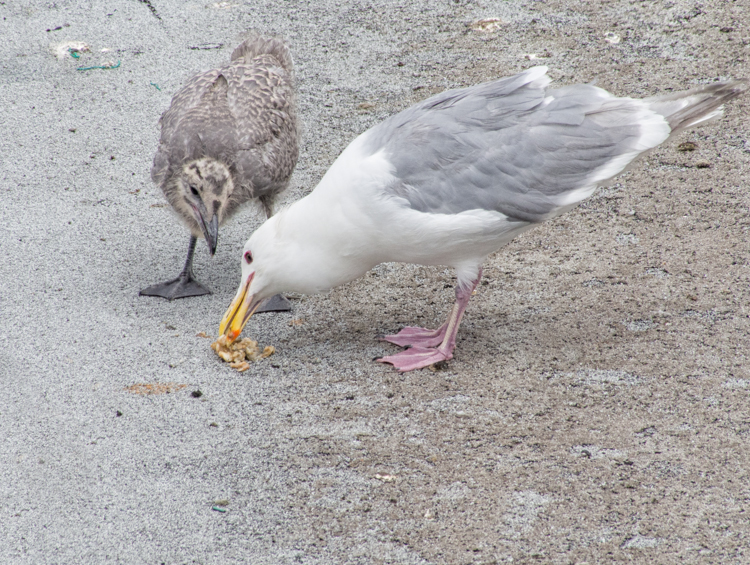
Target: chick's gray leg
[{"x": 184, "y": 286}]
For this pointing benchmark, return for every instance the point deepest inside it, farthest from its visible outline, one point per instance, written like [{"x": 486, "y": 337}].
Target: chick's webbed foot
[
  {"x": 277, "y": 303},
  {"x": 183, "y": 286}
]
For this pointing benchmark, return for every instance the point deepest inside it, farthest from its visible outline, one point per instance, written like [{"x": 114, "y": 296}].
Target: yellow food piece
[{"x": 238, "y": 354}]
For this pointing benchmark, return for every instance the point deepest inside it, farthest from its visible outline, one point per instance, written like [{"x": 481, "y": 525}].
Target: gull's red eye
[{"x": 248, "y": 257}]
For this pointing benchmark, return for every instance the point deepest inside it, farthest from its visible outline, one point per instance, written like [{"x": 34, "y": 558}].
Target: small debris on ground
[
  {"x": 487, "y": 25},
  {"x": 385, "y": 478},
  {"x": 206, "y": 46},
  {"x": 439, "y": 366},
  {"x": 703, "y": 165},
  {"x": 58, "y": 28},
  {"x": 238, "y": 354},
  {"x": 533, "y": 56},
  {"x": 151, "y": 7},
  {"x": 145, "y": 389},
  {"x": 68, "y": 48},
  {"x": 106, "y": 66},
  {"x": 296, "y": 322},
  {"x": 611, "y": 38},
  {"x": 203, "y": 334},
  {"x": 687, "y": 146},
  {"x": 196, "y": 394}
]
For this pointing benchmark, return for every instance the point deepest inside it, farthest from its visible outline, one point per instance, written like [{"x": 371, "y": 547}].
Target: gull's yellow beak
[{"x": 242, "y": 307}]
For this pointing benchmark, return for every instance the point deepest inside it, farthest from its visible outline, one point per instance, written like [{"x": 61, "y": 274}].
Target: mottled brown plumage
[
  {"x": 242, "y": 115},
  {"x": 229, "y": 136}
]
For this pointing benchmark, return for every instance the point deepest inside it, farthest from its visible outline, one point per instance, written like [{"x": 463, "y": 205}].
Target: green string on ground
[
  {"x": 99, "y": 67},
  {"x": 156, "y": 86}
]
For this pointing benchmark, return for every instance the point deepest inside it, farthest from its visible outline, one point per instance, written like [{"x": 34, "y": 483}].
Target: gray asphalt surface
[{"x": 596, "y": 410}]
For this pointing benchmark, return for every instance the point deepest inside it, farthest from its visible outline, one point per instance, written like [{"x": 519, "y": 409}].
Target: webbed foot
[
  {"x": 416, "y": 337},
  {"x": 416, "y": 358},
  {"x": 277, "y": 303},
  {"x": 181, "y": 287}
]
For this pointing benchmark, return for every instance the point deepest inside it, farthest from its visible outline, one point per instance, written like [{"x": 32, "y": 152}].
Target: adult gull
[
  {"x": 453, "y": 179},
  {"x": 230, "y": 136}
]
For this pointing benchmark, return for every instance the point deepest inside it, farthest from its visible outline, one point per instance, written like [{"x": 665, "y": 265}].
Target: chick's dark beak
[
  {"x": 211, "y": 233},
  {"x": 210, "y": 229}
]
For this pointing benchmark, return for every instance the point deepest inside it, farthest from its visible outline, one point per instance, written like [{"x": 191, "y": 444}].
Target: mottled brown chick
[{"x": 230, "y": 136}]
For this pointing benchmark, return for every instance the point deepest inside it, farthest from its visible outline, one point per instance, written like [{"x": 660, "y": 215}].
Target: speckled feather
[{"x": 243, "y": 115}]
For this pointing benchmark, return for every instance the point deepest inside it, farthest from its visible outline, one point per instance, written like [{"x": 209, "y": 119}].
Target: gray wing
[
  {"x": 510, "y": 146},
  {"x": 242, "y": 114},
  {"x": 261, "y": 100}
]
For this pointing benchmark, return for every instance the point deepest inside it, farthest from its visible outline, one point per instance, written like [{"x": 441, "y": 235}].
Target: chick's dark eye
[
  {"x": 194, "y": 190},
  {"x": 248, "y": 257}
]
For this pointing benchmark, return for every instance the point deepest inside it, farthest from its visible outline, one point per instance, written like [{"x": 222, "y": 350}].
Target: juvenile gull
[
  {"x": 453, "y": 179},
  {"x": 230, "y": 136}
]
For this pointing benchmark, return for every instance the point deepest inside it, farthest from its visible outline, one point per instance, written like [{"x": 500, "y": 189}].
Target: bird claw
[
  {"x": 416, "y": 358},
  {"x": 412, "y": 336}
]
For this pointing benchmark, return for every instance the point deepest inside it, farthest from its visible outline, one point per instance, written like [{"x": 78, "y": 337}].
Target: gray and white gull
[
  {"x": 450, "y": 181},
  {"x": 230, "y": 136}
]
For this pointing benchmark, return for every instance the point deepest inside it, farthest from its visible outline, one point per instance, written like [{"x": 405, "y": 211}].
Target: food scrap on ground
[
  {"x": 238, "y": 354},
  {"x": 203, "y": 334},
  {"x": 154, "y": 388}
]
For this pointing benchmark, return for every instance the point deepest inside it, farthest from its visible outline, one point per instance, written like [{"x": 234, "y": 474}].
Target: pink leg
[{"x": 419, "y": 356}]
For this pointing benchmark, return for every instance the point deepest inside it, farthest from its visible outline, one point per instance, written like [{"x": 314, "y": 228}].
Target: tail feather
[
  {"x": 692, "y": 107},
  {"x": 257, "y": 44}
]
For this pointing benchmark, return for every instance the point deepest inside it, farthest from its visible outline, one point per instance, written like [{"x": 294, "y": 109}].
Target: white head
[
  {"x": 258, "y": 281},
  {"x": 301, "y": 249}
]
